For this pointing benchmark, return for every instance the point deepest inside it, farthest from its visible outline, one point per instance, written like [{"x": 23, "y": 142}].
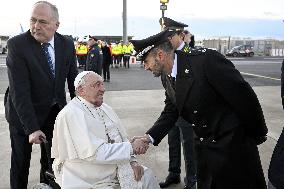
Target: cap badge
[
  {"x": 145, "y": 50},
  {"x": 186, "y": 71}
]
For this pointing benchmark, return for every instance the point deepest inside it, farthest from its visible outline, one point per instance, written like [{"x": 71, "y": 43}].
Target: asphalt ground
[{"x": 138, "y": 98}]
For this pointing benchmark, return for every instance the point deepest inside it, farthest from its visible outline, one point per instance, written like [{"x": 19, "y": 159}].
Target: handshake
[{"x": 140, "y": 144}]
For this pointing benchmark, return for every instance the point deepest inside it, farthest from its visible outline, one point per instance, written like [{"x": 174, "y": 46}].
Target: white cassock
[{"x": 84, "y": 156}]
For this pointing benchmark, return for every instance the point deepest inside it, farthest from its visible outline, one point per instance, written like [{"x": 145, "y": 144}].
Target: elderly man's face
[
  {"x": 94, "y": 89},
  {"x": 43, "y": 23},
  {"x": 159, "y": 63}
]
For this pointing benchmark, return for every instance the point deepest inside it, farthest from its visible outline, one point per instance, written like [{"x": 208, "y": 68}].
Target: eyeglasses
[
  {"x": 171, "y": 36},
  {"x": 97, "y": 84}
]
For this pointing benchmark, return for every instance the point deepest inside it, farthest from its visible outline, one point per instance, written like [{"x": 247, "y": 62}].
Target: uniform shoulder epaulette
[{"x": 200, "y": 51}]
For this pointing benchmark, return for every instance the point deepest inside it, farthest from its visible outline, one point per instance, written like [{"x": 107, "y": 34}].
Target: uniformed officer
[
  {"x": 183, "y": 130},
  {"x": 127, "y": 51},
  {"x": 211, "y": 94},
  {"x": 94, "y": 57},
  {"x": 189, "y": 39},
  {"x": 81, "y": 53}
]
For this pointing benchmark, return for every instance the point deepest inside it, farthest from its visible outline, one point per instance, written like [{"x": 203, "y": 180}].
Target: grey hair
[
  {"x": 52, "y": 7},
  {"x": 166, "y": 47}
]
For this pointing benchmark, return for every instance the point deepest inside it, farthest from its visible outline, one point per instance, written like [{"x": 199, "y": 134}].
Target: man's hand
[
  {"x": 138, "y": 170},
  {"x": 140, "y": 145},
  {"x": 146, "y": 138},
  {"x": 35, "y": 137}
]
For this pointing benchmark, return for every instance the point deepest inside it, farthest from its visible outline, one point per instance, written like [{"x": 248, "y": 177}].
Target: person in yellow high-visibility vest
[
  {"x": 117, "y": 54},
  {"x": 81, "y": 53},
  {"x": 127, "y": 51},
  {"x": 120, "y": 53}
]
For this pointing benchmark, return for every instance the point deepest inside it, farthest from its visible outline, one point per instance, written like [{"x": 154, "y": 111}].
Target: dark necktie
[
  {"x": 173, "y": 81},
  {"x": 48, "y": 58},
  {"x": 170, "y": 88}
]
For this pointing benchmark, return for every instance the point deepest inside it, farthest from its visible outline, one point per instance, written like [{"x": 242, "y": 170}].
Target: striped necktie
[{"x": 48, "y": 58}]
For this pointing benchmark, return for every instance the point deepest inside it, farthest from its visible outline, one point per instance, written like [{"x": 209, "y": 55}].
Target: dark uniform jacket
[
  {"x": 276, "y": 167},
  {"x": 282, "y": 84},
  {"x": 164, "y": 78},
  {"x": 226, "y": 117},
  {"x": 94, "y": 59},
  {"x": 32, "y": 89},
  {"x": 213, "y": 96}
]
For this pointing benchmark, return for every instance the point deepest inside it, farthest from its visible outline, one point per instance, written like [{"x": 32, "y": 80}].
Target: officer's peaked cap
[
  {"x": 144, "y": 46},
  {"x": 93, "y": 37},
  {"x": 171, "y": 24}
]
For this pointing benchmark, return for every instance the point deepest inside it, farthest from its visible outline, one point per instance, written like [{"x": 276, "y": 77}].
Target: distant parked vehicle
[{"x": 242, "y": 50}]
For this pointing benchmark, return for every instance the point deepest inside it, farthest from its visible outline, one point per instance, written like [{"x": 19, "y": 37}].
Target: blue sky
[
  {"x": 206, "y": 18},
  {"x": 202, "y": 28}
]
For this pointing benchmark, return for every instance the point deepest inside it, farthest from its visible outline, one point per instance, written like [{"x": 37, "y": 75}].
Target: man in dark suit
[
  {"x": 282, "y": 84},
  {"x": 38, "y": 64},
  {"x": 223, "y": 109},
  {"x": 107, "y": 61},
  {"x": 183, "y": 132},
  {"x": 276, "y": 167}
]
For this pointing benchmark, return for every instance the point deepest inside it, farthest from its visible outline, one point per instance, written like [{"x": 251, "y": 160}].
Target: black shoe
[
  {"x": 191, "y": 185},
  {"x": 169, "y": 181}
]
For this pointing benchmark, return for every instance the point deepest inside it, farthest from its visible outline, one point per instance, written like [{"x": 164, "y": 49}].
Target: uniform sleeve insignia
[{"x": 197, "y": 51}]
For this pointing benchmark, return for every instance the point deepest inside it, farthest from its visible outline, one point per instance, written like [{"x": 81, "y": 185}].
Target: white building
[{"x": 267, "y": 47}]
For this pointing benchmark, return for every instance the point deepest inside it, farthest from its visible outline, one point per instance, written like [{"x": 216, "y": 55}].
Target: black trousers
[
  {"x": 82, "y": 59},
  {"x": 126, "y": 59},
  {"x": 106, "y": 72},
  {"x": 21, "y": 152},
  {"x": 117, "y": 59},
  {"x": 182, "y": 133}
]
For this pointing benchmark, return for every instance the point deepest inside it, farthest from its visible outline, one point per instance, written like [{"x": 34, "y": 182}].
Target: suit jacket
[
  {"x": 276, "y": 167},
  {"x": 213, "y": 96},
  {"x": 32, "y": 89},
  {"x": 282, "y": 84}
]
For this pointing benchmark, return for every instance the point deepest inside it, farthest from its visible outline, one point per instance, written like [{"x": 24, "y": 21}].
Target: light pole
[
  {"x": 163, "y": 7},
  {"x": 124, "y": 18}
]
